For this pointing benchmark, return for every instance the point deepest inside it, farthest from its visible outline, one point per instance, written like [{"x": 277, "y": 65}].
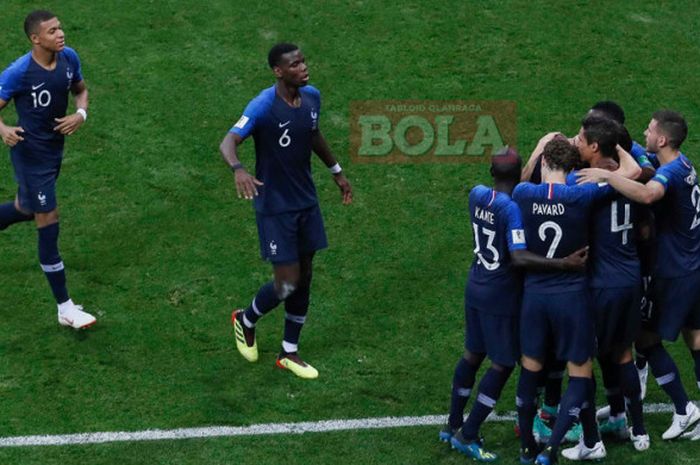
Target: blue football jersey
[
  {"x": 612, "y": 256},
  {"x": 282, "y": 136},
  {"x": 40, "y": 96},
  {"x": 556, "y": 219},
  {"x": 498, "y": 229},
  {"x": 678, "y": 219},
  {"x": 641, "y": 156}
]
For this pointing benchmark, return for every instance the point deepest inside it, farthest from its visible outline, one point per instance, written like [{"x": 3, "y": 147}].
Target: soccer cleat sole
[{"x": 249, "y": 353}]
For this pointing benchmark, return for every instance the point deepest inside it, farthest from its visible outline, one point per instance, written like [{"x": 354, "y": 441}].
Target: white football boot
[
  {"x": 581, "y": 452},
  {"x": 681, "y": 423},
  {"x": 73, "y": 315}
]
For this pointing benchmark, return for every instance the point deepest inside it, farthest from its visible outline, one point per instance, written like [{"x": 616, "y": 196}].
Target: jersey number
[
  {"x": 615, "y": 226},
  {"x": 490, "y": 237},
  {"x": 558, "y": 233},
  {"x": 695, "y": 198},
  {"x": 43, "y": 99},
  {"x": 285, "y": 140}
]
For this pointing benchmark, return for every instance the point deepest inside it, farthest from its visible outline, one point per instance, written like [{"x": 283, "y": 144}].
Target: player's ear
[
  {"x": 662, "y": 141},
  {"x": 34, "y": 38},
  {"x": 278, "y": 71}
]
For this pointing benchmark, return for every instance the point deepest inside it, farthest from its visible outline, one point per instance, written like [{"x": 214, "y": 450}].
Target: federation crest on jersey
[{"x": 273, "y": 248}]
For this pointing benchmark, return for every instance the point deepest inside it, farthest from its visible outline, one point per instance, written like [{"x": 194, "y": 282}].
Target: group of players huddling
[{"x": 592, "y": 249}]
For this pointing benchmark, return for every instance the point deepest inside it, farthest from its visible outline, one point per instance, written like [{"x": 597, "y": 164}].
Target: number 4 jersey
[
  {"x": 556, "y": 219},
  {"x": 40, "y": 96},
  {"x": 283, "y": 137},
  {"x": 678, "y": 219}
]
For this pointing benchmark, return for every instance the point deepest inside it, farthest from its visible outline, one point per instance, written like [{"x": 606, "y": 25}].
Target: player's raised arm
[
  {"x": 320, "y": 148},
  {"x": 535, "y": 155},
  {"x": 628, "y": 166},
  {"x": 71, "y": 123},
  {"x": 10, "y": 134},
  {"x": 246, "y": 185},
  {"x": 641, "y": 193}
]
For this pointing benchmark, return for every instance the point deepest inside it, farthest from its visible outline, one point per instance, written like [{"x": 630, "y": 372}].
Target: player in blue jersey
[
  {"x": 676, "y": 276},
  {"x": 556, "y": 218},
  {"x": 614, "y": 282},
  {"x": 40, "y": 82},
  {"x": 283, "y": 120},
  {"x": 491, "y": 314}
]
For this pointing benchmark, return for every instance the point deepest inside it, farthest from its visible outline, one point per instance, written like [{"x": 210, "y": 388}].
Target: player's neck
[
  {"x": 504, "y": 186},
  {"x": 44, "y": 58},
  {"x": 553, "y": 177},
  {"x": 290, "y": 94},
  {"x": 604, "y": 163},
  {"x": 667, "y": 155}
]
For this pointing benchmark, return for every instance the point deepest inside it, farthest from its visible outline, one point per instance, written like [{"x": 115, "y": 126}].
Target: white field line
[{"x": 253, "y": 430}]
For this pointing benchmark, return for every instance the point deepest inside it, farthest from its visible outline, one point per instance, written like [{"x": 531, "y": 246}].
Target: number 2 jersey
[
  {"x": 40, "y": 96},
  {"x": 283, "y": 137},
  {"x": 677, "y": 220},
  {"x": 556, "y": 219},
  {"x": 498, "y": 230}
]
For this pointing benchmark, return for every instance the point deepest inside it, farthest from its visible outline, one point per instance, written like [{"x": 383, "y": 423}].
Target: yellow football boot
[
  {"x": 302, "y": 370},
  {"x": 249, "y": 353}
]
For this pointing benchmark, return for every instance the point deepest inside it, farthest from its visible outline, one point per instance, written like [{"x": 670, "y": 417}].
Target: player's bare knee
[
  {"x": 285, "y": 288},
  {"x": 692, "y": 338},
  {"x": 583, "y": 370},
  {"x": 531, "y": 364}
]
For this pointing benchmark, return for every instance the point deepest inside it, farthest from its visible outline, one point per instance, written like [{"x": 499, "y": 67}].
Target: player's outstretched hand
[
  {"x": 592, "y": 175},
  {"x": 577, "y": 260},
  {"x": 246, "y": 185},
  {"x": 345, "y": 188},
  {"x": 12, "y": 135},
  {"x": 69, "y": 124}
]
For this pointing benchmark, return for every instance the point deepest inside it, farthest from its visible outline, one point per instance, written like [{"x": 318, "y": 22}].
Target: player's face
[
  {"x": 50, "y": 36},
  {"x": 652, "y": 136},
  {"x": 585, "y": 150},
  {"x": 292, "y": 69}
]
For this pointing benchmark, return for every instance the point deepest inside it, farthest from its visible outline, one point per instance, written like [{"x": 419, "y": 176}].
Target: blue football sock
[
  {"x": 589, "y": 424},
  {"x": 696, "y": 358},
  {"x": 552, "y": 388},
  {"x": 51, "y": 263},
  {"x": 611, "y": 381},
  {"x": 264, "y": 301},
  {"x": 490, "y": 389},
  {"x": 632, "y": 392},
  {"x": 296, "y": 307},
  {"x": 462, "y": 384},
  {"x": 526, "y": 401},
  {"x": 667, "y": 376},
  {"x": 574, "y": 398},
  {"x": 9, "y": 215}
]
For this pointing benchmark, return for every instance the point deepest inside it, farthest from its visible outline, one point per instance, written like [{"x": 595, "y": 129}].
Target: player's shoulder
[
  {"x": 523, "y": 190},
  {"x": 70, "y": 53},
  {"x": 263, "y": 101},
  {"x": 311, "y": 90},
  {"x": 20, "y": 65}
]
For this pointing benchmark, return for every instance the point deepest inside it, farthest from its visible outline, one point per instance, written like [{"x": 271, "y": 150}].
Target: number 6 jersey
[
  {"x": 283, "y": 136},
  {"x": 40, "y": 96}
]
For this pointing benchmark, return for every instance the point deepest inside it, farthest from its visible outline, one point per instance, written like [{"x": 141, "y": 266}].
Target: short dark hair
[
  {"x": 506, "y": 165},
  {"x": 33, "y": 19},
  {"x": 673, "y": 125},
  {"x": 611, "y": 110},
  {"x": 559, "y": 154},
  {"x": 603, "y": 131},
  {"x": 276, "y": 52}
]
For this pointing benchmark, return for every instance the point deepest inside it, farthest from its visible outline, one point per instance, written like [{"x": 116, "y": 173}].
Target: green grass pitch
[{"x": 157, "y": 245}]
